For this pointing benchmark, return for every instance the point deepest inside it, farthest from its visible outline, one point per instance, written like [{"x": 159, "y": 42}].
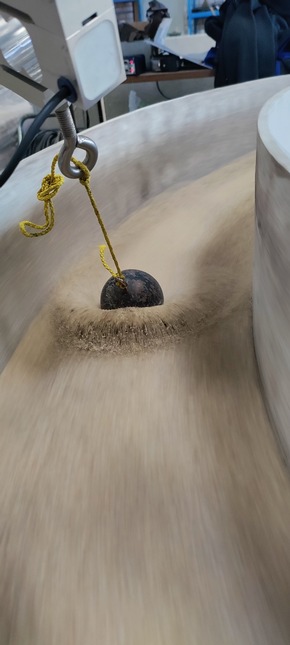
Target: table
[{"x": 186, "y": 74}]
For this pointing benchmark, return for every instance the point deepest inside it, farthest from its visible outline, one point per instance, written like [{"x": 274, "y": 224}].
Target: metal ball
[{"x": 141, "y": 290}]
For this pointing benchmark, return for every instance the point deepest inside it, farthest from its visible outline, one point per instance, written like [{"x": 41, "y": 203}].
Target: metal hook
[{"x": 73, "y": 140}]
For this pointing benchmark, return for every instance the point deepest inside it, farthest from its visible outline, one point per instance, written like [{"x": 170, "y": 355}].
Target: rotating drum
[
  {"x": 142, "y": 495},
  {"x": 140, "y": 155},
  {"x": 272, "y": 263}
]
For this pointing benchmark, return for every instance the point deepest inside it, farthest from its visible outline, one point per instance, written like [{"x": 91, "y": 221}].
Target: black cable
[
  {"x": 162, "y": 93},
  {"x": 43, "y": 139},
  {"x": 49, "y": 107}
]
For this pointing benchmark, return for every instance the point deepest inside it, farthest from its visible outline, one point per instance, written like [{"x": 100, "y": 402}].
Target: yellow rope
[
  {"x": 49, "y": 188},
  {"x": 102, "y": 249},
  {"x": 85, "y": 181}
]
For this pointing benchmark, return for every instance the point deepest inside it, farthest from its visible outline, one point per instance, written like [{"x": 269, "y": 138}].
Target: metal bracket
[{"x": 73, "y": 140}]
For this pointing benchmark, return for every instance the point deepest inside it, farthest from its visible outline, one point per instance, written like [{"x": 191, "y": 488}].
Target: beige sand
[
  {"x": 143, "y": 500},
  {"x": 169, "y": 238}
]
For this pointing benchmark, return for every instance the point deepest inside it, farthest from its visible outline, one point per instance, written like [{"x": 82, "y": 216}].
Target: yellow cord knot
[{"x": 49, "y": 188}]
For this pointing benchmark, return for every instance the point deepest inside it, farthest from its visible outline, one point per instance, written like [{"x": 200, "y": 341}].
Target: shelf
[
  {"x": 139, "y": 4},
  {"x": 194, "y": 15}
]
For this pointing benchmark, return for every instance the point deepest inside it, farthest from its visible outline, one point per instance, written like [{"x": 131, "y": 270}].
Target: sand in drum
[{"x": 143, "y": 499}]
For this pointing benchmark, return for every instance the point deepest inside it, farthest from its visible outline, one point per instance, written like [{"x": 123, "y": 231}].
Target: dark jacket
[{"x": 248, "y": 35}]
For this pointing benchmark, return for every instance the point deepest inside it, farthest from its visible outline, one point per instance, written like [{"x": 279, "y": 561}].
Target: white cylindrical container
[{"x": 271, "y": 287}]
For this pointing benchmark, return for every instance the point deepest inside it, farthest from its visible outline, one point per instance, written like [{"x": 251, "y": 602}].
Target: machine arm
[
  {"x": 48, "y": 44},
  {"x": 51, "y": 50}
]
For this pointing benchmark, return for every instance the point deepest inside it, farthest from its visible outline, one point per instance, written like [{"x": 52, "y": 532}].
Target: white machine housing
[{"x": 44, "y": 40}]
